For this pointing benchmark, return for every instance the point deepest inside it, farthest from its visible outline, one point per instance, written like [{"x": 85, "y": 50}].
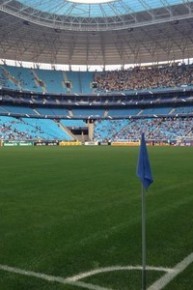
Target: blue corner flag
[{"x": 143, "y": 166}]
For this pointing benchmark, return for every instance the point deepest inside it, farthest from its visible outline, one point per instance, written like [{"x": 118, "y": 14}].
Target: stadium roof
[
  {"x": 96, "y": 32},
  {"x": 96, "y": 15},
  {"x": 96, "y": 8}
]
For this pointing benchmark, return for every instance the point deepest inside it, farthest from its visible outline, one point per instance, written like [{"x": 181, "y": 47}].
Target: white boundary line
[
  {"x": 50, "y": 278},
  {"x": 74, "y": 280},
  {"x": 115, "y": 268},
  {"x": 167, "y": 278}
]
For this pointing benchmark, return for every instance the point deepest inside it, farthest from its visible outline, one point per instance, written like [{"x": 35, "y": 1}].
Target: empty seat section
[
  {"x": 52, "y": 111},
  {"x": 73, "y": 123},
  {"x": 123, "y": 112},
  {"x": 74, "y": 79},
  {"x": 7, "y": 80},
  {"x": 184, "y": 110},
  {"x": 19, "y": 110},
  {"x": 85, "y": 113},
  {"x": 53, "y": 80},
  {"x": 25, "y": 78},
  {"x": 48, "y": 129},
  {"x": 86, "y": 82},
  {"x": 156, "y": 111}
]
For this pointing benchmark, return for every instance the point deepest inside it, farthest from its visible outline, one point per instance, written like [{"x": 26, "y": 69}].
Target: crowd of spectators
[
  {"x": 12, "y": 128},
  {"x": 17, "y": 129},
  {"x": 8, "y": 132},
  {"x": 156, "y": 129},
  {"x": 139, "y": 78}
]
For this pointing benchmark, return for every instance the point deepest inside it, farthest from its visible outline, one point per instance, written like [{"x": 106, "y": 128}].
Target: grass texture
[{"x": 68, "y": 210}]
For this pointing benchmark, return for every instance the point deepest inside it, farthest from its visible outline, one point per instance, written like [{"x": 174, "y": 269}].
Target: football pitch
[{"x": 70, "y": 218}]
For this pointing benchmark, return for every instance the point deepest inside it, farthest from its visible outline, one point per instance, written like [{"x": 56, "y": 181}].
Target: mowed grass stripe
[{"x": 70, "y": 210}]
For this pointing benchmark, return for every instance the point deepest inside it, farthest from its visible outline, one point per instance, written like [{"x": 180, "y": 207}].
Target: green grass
[{"x": 68, "y": 210}]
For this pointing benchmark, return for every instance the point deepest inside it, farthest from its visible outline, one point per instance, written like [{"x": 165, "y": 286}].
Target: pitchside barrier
[
  {"x": 40, "y": 143},
  {"x": 89, "y": 143},
  {"x": 137, "y": 143},
  {"x": 119, "y": 143},
  {"x": 46, "y": 143},
  {"x": 70, "y": 143},
  {"x": 17, "y": 143}
]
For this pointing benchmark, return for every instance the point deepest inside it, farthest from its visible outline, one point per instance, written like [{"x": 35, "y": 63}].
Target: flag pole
[
  {"x": 145, "y": 176},
  {"x": 143, "y": 238}
]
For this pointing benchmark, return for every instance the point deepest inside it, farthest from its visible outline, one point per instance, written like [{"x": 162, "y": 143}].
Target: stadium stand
[
  {"x": 20, "y": 78},
  {"x": 123, "y": 112},
  {"x": 108, "y": 129},
  {"x": 184, "y": 110},
  {"x": 31, "y": 129},
  {"x": 53, "y": 81},
  {"x": 73, "y": 123},
  {"x": 7, "y": 80},
  {"x": 52, "y": 111},
  {"x": 70, "y": 96},
  {"x": 156, "y": 111},
  {"x": 18, "y": 110},
  {"x": 140, "y": 78},
  {"x": 81, "y": 113},
  {"x": 156, "y": 129},
  {"x": 86, "y": 79},
  {"x": 49, "y": 128},
  {"x": 137, "y": 78}
]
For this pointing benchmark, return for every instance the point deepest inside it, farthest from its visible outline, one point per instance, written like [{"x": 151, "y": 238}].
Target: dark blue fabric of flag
[{"x": 143, "y": 166}]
